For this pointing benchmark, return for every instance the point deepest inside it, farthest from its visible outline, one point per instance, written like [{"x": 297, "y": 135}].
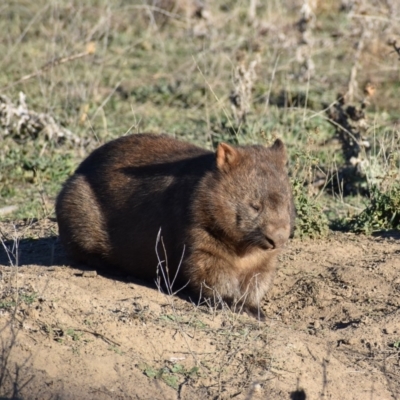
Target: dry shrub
[{"x": 22, "y": 124}]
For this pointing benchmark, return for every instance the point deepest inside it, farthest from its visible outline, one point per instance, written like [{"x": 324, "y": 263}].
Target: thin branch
[{"x": 90, "y": 49}]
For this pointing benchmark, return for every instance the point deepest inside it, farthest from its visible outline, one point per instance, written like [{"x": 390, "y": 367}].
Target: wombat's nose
[
  {"x": 277, "y": 238},
  {"x": 270, "y": 242}
]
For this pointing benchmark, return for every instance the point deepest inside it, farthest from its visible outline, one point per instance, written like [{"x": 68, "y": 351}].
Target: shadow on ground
[
  {"x": 48, "y": 252},
  {"x": 45, "y": 251},
  {"x": 394, "y": 234}
]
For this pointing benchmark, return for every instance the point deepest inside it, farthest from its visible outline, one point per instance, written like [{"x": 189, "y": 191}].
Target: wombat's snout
[{"x": 276, "y": 238}]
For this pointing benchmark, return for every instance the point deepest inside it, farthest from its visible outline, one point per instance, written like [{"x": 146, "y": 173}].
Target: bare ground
[{"x": 333, "y": 328}]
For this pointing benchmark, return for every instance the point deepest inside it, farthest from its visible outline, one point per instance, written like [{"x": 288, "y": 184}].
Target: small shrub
[
  {"x": 310, "y": 221},
  {"x": 382, "y": 213}
]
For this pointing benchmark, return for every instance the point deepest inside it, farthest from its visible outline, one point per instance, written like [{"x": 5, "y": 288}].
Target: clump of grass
[
  {"x": 382, "y": 213},
  {"x": 310, "y": 221}
]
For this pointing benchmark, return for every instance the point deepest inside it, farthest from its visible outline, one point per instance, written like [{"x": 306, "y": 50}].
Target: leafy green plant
[
  {"x": 116, "y": 350},
  {"x": 11, "y": 300},
  {"x": 28, "y": 298},
  {"x": 310, "y": 221},
  {"x": 75, "y": 336},
  {"x": 382, "y": 212}
]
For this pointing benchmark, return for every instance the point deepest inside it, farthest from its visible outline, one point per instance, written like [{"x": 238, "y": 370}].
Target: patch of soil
[{"x": 332, "y": 330}]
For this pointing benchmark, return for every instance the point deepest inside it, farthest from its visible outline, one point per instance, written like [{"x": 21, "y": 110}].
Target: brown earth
[{"x": 333, "y": 328}]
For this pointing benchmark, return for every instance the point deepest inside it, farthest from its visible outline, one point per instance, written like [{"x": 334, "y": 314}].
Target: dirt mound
[{"x": 333, "y": 328}]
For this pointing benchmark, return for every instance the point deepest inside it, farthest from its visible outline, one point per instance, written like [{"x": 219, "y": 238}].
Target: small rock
[
  {"x": 388, "y": 330},
  {"x": 351, "y": 341},
  {"x": 257, "y": 388},
  {"x": 89, "y": 274}
]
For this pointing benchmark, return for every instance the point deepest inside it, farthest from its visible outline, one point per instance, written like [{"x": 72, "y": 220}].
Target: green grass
[{"x": 151, "y": 73}]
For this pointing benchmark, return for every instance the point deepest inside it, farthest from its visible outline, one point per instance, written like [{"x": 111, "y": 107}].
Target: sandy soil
[{"x": 332, "y": 332}]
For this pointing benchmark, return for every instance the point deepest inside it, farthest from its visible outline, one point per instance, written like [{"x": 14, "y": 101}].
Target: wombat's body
[{"x": 223, "y": 217}]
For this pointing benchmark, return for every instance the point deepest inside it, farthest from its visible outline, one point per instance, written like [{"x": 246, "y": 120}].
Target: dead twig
[
  {"x": 352, "y": 85},
  {"x": 90, "y": 49},
  {"x": 100, "y": 335},
  {"x": 396, "y": 48}
]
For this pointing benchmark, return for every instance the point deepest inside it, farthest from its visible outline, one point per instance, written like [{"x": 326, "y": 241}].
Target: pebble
[
  {"x": 257, "y": 388},
  {"x": 89, "y": 274},
  {"x": 351, "y": 341}
]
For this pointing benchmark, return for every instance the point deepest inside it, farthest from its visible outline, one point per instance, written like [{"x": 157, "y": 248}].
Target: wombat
[{"x": 221, "y": 218}]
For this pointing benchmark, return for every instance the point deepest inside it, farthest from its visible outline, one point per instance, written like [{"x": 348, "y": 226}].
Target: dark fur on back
[{"x": 228, "y": 213}]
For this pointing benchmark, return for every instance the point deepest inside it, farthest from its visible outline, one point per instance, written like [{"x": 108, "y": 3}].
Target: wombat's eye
[{"x": 255, "y": 206}]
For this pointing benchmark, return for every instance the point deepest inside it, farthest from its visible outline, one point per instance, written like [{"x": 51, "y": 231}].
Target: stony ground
[{"x": 332, "y": 332}]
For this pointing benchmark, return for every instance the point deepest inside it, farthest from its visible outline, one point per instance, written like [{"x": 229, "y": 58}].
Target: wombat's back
[{"x": 111, "y": 210}]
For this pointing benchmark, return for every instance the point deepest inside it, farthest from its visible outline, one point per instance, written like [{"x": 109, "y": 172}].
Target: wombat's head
[{"x": 251, "y": 200}]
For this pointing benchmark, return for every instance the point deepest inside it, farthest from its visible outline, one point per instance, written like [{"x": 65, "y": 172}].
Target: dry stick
[
  {"x": 165, "y": 276},
  {"x": 395, "y": 47},
  {"x": 343, "y": 129},
  {"x": 353, "y": 74},
  {"x": 25, "y": 31},
  {"x": 97, "y": 334},
  {"x": 323, "y": 111},
  {"x": 253, "y": 10},
  {"x": 219, "y": 101},
  {"x": 156, "y": 9},
  {"x": 270, "y": 83},
  {"x": 106, "y": 100},
  {"x": 51, "y": 64},
  {"x": 7, "y": 250}
]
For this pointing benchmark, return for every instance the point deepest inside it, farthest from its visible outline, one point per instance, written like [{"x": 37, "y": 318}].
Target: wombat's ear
[
  {"x": 279, "y": 148},
  {"x": 227, "y": 156}
]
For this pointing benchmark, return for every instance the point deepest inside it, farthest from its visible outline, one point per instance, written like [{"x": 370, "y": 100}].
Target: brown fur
[{"x": 229, "y": 214}]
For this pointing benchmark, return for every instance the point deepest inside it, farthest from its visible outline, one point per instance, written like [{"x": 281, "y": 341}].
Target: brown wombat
[{"x": 223, "y": 217}]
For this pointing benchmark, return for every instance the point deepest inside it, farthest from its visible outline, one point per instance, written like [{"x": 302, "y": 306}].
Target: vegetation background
[{"x": 322, "y": 75}]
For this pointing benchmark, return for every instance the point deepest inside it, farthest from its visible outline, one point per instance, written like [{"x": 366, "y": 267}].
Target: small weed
[
  {"x": 171, "y": 375},
  {"x": 168, "y": 318},
  {"x": 198, "y": 324},
  {"x": 75, "y": 336},
  {"x": 310, "y": 221},
  {"x": 62, "y": 335},
  {"x": 7, "y": 304},
  {"x": 116, "y": 349},
  {"x": 28, "y": 298},
  {"x": 170, "y": 379},
  {"x": 396, "y": 345},
  {"x": 382, "y": 213},
  {"x": 14, "y": 298}
]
